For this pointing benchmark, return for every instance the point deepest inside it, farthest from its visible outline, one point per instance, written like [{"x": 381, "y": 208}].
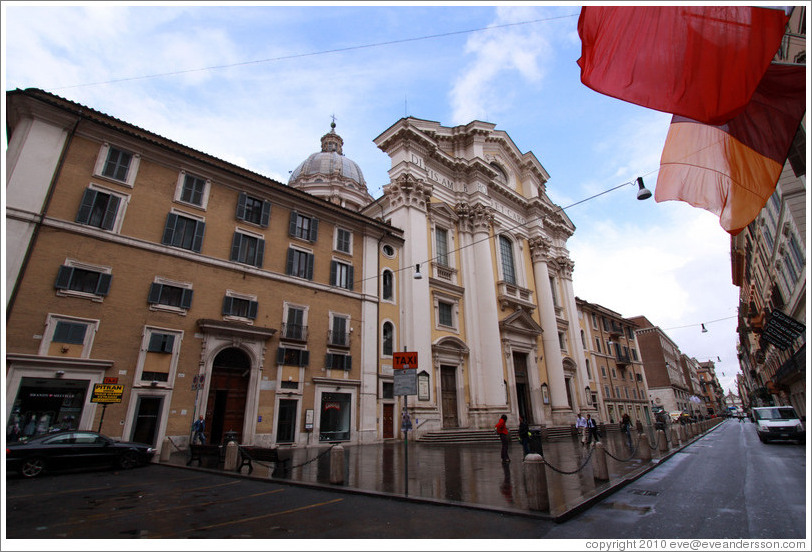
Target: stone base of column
[{"x": 562, "y": 417}]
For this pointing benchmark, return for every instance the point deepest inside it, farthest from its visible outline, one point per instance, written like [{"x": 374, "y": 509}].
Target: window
[
  {"x": 388, "y": 339},
  {"x": 161, "y": 343},
  {"x": 339, "y": 334},
  {"x": 388, "y": 285},
  {"x": 594, "y": 321},
  {"x": 387, "y": 390},
  {"x": 606, "y": 391},
  {"x": 193, "y": 189},
  {"x": 247, "y": 249},
  {"x": 343, "y": 240},
  {"x": 389, "y": 251},
  {"x": 441, "y": 245},
  {"x": 294, "y": 326},
  {"x": 99, "y": 208},
  {"x": 614, "y": 373},
  {"x": 306, "y": 228},
  {"x": 562, "y": 340},
  {"x": 117, "y": 164},
  {"x": 603, "y": 371},
  {"x": 300, "y": 264},
  {"x": 797, "y": 253},
  {"x": 341, "y": 275},
  {"x": 444, "y": 316},
  {"x": 617, "y": 391},
  {"x": 335, "y": 361},
  {"x": 598, "y": 344},
  {"x": 292, "y": 357},
  {"x": 253, "y": 210},
  {"x": 83, "y": 280},
  {"x": 626, "y": 391},
  {"x": 69, "y": 332},
  {"x": 554, "y": 292},
  {"x": 184, "y": 232},
  {"x": 508, "y": 270},
  {"x": 169, "y": 295},
  {"x": 240, "y": 307}
]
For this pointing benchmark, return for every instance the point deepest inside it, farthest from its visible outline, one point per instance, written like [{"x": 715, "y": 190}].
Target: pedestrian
[
  {"x": 502, "y": 431},
  {"x": 626, "y": 427},
  {"x": 524, "y": 435},
  {"x": 199, "y": 428},
  {"x": 592, "y": 428},
  {"x": 580, "y": 427}
]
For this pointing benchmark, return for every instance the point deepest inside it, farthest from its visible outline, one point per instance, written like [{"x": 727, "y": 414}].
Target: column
[{"x": 575, "y": 344}]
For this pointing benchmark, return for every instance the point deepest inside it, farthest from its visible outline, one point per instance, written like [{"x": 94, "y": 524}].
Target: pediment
[
  {"x": 520, "y": 322},
  {"x": 443, "y": 211}
]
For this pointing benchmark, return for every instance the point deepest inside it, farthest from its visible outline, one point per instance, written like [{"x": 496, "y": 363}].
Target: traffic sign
[
  {"x": 404, "y": 361},
  {"x": 405, "y": 382}
]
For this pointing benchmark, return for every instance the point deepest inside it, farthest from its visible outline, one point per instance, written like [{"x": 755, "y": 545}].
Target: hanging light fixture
[
  {"x": 642, "y": 192},
  {"x": 704, "y": 329},
  {"x": 417, "y": 275}
]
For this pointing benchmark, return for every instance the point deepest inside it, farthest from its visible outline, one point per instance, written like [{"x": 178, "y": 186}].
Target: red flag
[
  {"x": 731, "y": 170},
  {"x": 701, "y": 62}
]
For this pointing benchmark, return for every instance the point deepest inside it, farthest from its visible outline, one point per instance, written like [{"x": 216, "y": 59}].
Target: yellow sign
[{"x": 107, "y": 393}]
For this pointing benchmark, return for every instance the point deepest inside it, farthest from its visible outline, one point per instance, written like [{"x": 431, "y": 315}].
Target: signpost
[
  {"x": 104, "y": 394},
  {"x": 405, "y": 366}
]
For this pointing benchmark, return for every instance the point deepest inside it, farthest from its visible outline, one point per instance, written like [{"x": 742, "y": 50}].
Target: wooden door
[
  {"x": 448, "y": 383},
  {"x": 389, "y": 421}
]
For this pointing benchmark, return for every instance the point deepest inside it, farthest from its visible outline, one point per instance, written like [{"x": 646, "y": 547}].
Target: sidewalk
[{"x": 469, "y": 475}]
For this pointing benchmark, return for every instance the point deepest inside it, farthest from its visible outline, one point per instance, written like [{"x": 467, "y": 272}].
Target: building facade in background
[{"x": 617, "y": 378}]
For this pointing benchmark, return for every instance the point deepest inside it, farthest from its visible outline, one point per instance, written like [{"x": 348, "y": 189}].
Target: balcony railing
[
  {"x": 623, "y": 359},
  {"x": 338, "y": 339},
  {"x": 294, "y": 332},
  {"x": 515, "y": 296}
]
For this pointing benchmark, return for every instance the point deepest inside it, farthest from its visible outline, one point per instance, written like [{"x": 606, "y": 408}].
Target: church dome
[{"x": 330, "y": 162}]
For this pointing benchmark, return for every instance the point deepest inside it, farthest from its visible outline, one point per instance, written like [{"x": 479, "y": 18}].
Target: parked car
[
  {"x": 777, "y": 423},
  {"x": 74, "y": 450}
]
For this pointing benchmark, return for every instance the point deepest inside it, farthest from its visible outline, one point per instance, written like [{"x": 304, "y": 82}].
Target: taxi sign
[
  {"x": 404, "y": 361},
  {"x": 106, "y": 393}
]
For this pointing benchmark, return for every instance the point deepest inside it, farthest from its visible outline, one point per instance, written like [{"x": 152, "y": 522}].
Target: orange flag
[
  {"x": 701, "y": 62},
  {"x": 731, "y": 170}
]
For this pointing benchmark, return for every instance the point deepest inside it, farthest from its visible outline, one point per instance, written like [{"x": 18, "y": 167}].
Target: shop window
[
  {"x": 335, "y": 417},
  {"x": 44, "y": 405}
]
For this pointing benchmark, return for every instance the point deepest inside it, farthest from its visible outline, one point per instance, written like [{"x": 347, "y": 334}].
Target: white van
[{"x": 778, "y": 423}]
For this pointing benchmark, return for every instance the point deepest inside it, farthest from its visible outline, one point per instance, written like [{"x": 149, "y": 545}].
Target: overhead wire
[{"x": 312, "y": 54}]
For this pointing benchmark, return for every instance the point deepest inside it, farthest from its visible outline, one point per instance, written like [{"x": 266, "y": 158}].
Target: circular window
[{"x": 388, "y": 250}]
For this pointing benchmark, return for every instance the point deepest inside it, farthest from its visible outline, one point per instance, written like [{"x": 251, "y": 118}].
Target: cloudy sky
[{"x": 257, "y": 86}]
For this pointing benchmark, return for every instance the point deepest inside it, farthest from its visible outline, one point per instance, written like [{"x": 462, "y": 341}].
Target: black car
[{"x": 72, "y": 450}]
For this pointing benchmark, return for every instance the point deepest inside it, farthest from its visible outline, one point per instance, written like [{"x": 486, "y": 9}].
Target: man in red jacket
[{"x": 502, "y": 431}]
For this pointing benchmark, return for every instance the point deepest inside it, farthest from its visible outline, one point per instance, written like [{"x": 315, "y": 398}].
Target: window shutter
[
  {"x": 154, "y": 293},
  {"x": 350, "y": 277},
  {"x": 63, "y": 277},
  {"x": 266, "y": 214},
  {"x": 310, "y": 262},
  {"x": 289, "y": 267},
  {"x": 110, "y": 214},
  {"x": 103, "y": 286},
  {"x": 241, "y": 206},
  {"x": 186, "y": 299},
  {"x": 314, "y": 229},
  {"x": 169, "y": 229},
  {"x": 333, "y": 268},
  {"x": 252, "y": 309},
  {"x": 200, "y": 229},
  {"x": 260, "y": 253},
  {"x": 235, "y": 246},
  {"x": 227, "y": 304},
  {"x": 292, "y": 228},
  {"x": 280, "y": 355},
  {"x": 89, "y": 197},
  {"x": 304, "y": 358},
  {"x": 348, "y": 363},
  {"x": 155, "y": 343},
  {"x": 328, "y": 360}
]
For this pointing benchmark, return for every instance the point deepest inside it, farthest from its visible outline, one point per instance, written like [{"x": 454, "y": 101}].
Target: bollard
[
  {"x": 643, "y": 448},
  {"x": 599, "y": 469},
  {"x": 675, "y": 436},
  {"x": 230, "y": 463},
  {"x": 337, "y": 465},
  {"x": 683, "y": 436},
  {"x": 535, "y": 481},
  {"x": 663, "y": 442},
  {"x": 166, "y": 451},
  {"x": 693, "y": 429}
]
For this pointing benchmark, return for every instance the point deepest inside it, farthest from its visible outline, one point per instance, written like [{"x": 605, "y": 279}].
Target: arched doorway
[{"x": 225, "y": 407}]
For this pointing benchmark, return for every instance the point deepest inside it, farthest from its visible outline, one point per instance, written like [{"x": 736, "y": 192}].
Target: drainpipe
[{"x": 38, "y": 225}]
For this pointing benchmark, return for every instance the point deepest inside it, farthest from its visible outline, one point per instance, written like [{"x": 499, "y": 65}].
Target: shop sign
[
  {"x": 781, "y": 330},
  {"x": 105, "y": 393}
]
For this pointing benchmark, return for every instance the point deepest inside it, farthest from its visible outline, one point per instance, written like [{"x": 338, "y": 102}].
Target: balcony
[
  {"x": 614, "y": 329},
  {"x": 623, "y": 360},
  {"x": 511, "y": 295},
  {"x": 444, "y": 272},
  {"x": 338, "y": 339},
  {"x": 294, "y": 332}
]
